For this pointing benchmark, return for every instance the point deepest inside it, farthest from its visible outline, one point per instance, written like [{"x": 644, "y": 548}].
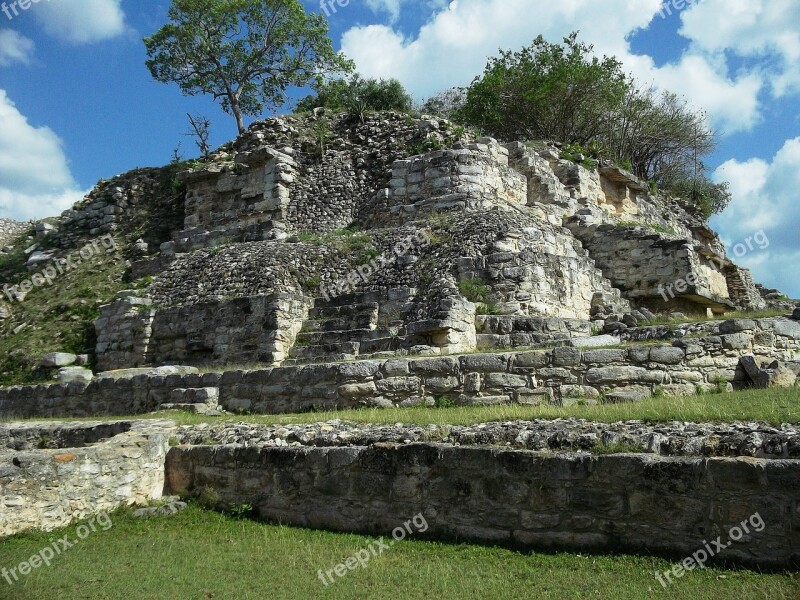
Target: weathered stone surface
[
  {"x": 667, "y": 356},
  {"x": 149, "y": 372},
  {"x": 65, "y": 472},
  {"x": 737, "y": 341},
  {"x": 737, "y": 326},
  {"x": 509, "y": 494},
  {"x": 616, "y": 374},
  {"x": 58, "y": 359},
  {"x": 70, "y": 374},
  {"x": 790, "y": 329},
  {"x": 566, "y": 357},
  {"x": 602, "y": 357},
  {"x": 595, "y": 341},
  {"x": 700, "y": 362}
]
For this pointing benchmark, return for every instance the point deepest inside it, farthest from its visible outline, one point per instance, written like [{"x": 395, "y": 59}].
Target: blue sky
[{"x": 77, "y": 103}]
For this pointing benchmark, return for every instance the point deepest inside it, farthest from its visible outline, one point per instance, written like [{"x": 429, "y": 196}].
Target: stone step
[
  {"x": 491, "y": 341},
  {"x": 318, "y": 351},
  {"x": 326, "y": 311},
  {"x": 383, "y": 344},
  {"x": 321, "y": 359},
  {"x": 205, "y": 395},
  {"x": 342, "y": 323},
  {"x": 507, "y": 324},
  {"x": 200, "y": 409},
  {"x": 319, "y": 338}
]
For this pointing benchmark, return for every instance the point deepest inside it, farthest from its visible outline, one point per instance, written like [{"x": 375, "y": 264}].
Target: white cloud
[
  {"x": 390, "y": 6},
  {"x": 82, "y": 21},
  {"x": 35, "y": 180},
  {"x": 14, "y": 47},
  {"x": 765, "y": 197},
  {"x": 454, "y": 45},
  {"x": 751, "y": 28},
  {"x": 732, "y": 104}
]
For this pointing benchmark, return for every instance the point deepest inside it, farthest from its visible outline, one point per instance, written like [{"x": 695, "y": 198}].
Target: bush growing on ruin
[
  {"x": 546, "y": 91},
  {"x": 445, "y": 104},
  {"x": 563, "y": 93},
  {"x": 357, "y": 96}
]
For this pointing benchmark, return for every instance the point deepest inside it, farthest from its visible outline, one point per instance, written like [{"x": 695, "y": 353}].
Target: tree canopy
[
  {"x": 564, "y": 93},
  {"x": 244, "y": 53},
  {"x": 358, "y": 95}
]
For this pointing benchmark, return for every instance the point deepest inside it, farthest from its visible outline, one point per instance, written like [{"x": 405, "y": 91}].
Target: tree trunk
[{"x": 237, "y": 112}]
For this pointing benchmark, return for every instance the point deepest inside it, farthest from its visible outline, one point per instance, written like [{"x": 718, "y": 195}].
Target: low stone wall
[
  {"x": 54, "y": 474},
  {"x": 511, "y": 497},
  {"x": 562, "y": 375}
]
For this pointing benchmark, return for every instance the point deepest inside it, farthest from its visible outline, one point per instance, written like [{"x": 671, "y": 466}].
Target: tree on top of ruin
[{"x": 244, "y": 53}]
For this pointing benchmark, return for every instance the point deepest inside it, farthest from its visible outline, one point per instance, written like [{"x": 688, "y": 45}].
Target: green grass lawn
[
  {"x": 774, "y": 406},
  {"x": 201, "y": 555}
]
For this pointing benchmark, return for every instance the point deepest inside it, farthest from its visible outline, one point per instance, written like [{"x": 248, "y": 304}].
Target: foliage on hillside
[{"x": 564, "y": 93}]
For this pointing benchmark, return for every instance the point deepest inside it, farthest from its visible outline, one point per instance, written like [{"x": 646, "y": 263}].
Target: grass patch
[
  {"x": 199, "y": 554},
  {"x": 739, "y": 314},
  {"x": 58, "y": 318},
  {"x": 775, "y": 407}
]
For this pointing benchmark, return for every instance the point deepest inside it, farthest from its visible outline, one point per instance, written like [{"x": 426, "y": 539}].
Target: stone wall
[
  {"x": 245, "y": 330},
  {"x": 10, "y": 230},
  {"x": 657, "y": 270},
  {"x": 54, "y": 474},
  {"x": 561, "y": 376},
  {"x": 123, "y": 332},
  {"x": 469, "y": 178},
  {"x": 510, "y": 497},
  {"x": 241, "y": 202},
  {"x": 310, "y": 173},
  {"x": 143, "y": 203},
  {"x": 540, "y": 271}
]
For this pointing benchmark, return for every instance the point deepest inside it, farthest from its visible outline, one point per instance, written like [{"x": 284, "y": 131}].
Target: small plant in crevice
[
  {"x": 444, "y": 402},
  {"x": 474, "y": 290},
  {"x": 313, "y": 282}
]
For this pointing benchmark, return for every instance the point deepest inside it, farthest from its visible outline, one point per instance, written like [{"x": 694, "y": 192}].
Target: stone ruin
[
  {"x": 297, "y": 205},
  {"x": 319, "y": 262}
]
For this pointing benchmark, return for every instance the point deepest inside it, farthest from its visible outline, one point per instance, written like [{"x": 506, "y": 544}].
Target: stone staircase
[
  {"x": 543, "y": 185},
  {"x": 350, "y": 327},
  {"x": 517, "y": 331},
  {"x": 195, "y": 239}
]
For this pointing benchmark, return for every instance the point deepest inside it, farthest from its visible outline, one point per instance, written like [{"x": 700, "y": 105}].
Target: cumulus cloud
[
  {"x": 35, "y": 180},
  {"x": 453, "y": 46},
  {"x": 82, "y": 21},
  {"x": 732, "y": 104},
  {"x": 765, "y": 197},
  {"x": 390, "y": 6},
  {"x": 14, "y": 48},
  {"x": 754, "y": 29}
]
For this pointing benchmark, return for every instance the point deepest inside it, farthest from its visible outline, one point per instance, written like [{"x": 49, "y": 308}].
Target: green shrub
[
  {"x": 444, "y": 402},
  {"x": 474, "y": 290},
  {"x": 358, "y": 96}
]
